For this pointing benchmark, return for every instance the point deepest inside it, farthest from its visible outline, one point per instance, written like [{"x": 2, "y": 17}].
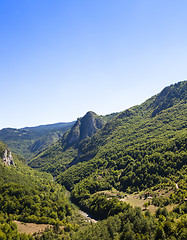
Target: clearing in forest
[{"x": 31, "y": 228}]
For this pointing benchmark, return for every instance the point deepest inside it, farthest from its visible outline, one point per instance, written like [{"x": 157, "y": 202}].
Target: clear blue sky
[{"x": 60, "y": 59}]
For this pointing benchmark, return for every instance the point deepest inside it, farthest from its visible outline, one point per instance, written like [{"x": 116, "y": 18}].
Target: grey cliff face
[
  {"x": 8, "y": 159},
  {"x": 84, "y": 127}
]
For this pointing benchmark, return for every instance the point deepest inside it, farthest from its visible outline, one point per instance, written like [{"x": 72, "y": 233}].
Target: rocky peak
[{"x": 84, "y": 127}]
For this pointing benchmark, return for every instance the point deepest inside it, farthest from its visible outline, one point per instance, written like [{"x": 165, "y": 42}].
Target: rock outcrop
[
  {"x": 8, "y": 159},
  {"x": 84, "y": 127}
]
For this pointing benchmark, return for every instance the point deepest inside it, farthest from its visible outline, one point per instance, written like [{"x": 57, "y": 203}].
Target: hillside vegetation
[
  {"x": 57, "y": 158},
  {"x": 106, "y": 162},
  {"x": 29, "y": 196},
  {"x": 31, "y": 140},
  {"x": 143, "y": 147}
]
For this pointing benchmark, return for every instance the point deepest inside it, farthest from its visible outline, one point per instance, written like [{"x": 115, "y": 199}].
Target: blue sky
[{"x": 60, "y": 59}]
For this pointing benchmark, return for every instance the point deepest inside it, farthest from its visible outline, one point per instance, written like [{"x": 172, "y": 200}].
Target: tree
[{"x": 146, "y": 204}]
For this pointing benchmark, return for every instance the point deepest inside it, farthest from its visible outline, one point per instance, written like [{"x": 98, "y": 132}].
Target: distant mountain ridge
[
  {"x": 30, "y": 140},
  {"x": 49, "y": 127}
]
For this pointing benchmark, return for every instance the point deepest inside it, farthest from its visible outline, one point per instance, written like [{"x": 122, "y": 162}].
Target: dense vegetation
[
  {"x": 142, "y": 150},
  {"x": 31, "y": 140},
  {"x": 143, "y": 147},
  {"x": 31, "y": 196},
  {"x": 57, "y": 158},
  {"x": 8, "y": 230},
  {"x": 44, "y": 204},
  {"x": 132, "y": 224}
]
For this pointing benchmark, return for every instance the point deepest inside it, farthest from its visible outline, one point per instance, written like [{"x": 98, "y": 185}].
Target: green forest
[
  {"x": 128, "y": 171},
  {"x": 29, "y": 196}
]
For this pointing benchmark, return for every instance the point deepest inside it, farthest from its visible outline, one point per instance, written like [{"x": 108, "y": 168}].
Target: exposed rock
[
  {"x": 8, "y": 159},
  {"x": 84, "y": 127}
]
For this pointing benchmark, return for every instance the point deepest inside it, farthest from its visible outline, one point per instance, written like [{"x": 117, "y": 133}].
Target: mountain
[
  {"x": 30, "y": 140},
  {"x": 159, "y": 119},
  {"x": 160, "y": 115},
  {"x": 57, "y": 157},
  {"x": 144, "y": 147},
  {"x": 108, "y": 163},
  {"x": 83, "y": 128}
]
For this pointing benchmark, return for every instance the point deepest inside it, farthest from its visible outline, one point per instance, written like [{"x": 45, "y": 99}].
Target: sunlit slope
[
  {"x": 139, "y": 148},
  {"x": 57, "y": 158},
  {"x": 29, "y": 141},
  {"x": 28, "y": 195}
]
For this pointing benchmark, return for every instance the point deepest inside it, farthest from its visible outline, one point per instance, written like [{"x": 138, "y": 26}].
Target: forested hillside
[
  {"x": 107, "y": 163},
  {"x": 132, "y": 224},
  {"x": 143, "y": 147},
  {"x": 57, "y": 158},
  {"x": 28, "y": 196},
  {"x": 31, "y": 140}
]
